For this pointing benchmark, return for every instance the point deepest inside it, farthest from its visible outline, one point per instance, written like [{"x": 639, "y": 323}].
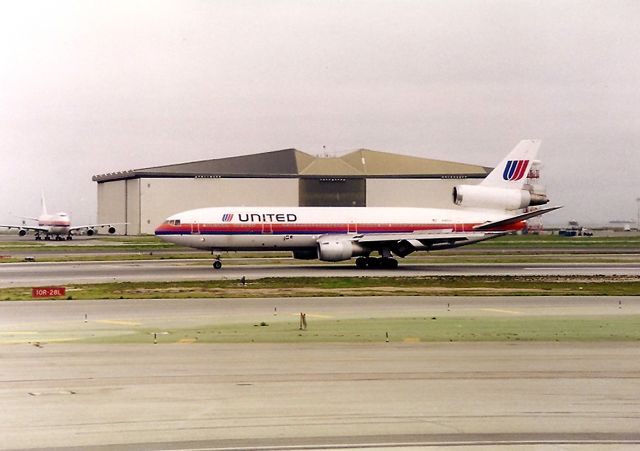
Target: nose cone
[
  {"x": 169, "y": 230},
  {"x": 163, "y": 230}
]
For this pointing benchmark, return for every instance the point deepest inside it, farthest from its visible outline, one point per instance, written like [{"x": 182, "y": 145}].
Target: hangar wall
[
  {"x": 144, "y": 203},
  {"x": 162, "y": 197},
  {"x": 431, "y": 193},
  {"x": 133, "y": 207},
  {"x": 145, "y": 197},
  {"x": 111, "y": 202}
]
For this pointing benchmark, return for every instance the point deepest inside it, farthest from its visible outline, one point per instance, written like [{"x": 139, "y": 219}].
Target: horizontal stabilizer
[{"x": 515, "y": 219}]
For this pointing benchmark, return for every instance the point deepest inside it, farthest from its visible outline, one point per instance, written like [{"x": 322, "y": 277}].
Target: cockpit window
[{"x": 173, "y": 222}]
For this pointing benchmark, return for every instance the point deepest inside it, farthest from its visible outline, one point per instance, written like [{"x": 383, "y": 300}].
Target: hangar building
[{"x": 143, "y": 198}]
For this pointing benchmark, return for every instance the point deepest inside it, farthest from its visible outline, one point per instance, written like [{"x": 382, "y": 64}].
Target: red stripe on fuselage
[
  {"x": 321, "y": 229},
  {"x": 54, "y": 223}
]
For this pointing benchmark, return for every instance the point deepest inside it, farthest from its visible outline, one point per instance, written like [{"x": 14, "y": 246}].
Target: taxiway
[{"x": 40, "y": 274}]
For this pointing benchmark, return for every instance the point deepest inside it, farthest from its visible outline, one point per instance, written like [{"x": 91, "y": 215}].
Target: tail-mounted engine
[{"x": 498, "y": 198}]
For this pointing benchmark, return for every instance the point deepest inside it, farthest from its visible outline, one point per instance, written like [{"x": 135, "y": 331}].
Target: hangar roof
[{"x": 295, "y": 163}]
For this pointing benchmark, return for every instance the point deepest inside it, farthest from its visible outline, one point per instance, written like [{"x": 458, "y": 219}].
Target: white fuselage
[
  {"x": 57, "y": 224},
  {"x": 296, "y": 228}
]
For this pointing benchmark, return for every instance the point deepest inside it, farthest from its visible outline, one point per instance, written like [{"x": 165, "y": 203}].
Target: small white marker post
[
  {"x": 275, "y": 311},
  {"x": 85, "y": 317},
  {"x": 155, "y": 338}
]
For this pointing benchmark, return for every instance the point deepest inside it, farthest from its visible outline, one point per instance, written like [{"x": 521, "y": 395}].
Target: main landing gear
[
  {"x": 217, "y": 264},
  {"x": 373, "y": 263}
]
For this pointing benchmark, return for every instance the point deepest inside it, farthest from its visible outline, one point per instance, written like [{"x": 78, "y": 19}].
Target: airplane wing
[
  {"x": 515, "y": 219},
  {"x": 25, "y": 227},
  {"x": 402, "y": 244},
  {"x": 95, "y": 226}
]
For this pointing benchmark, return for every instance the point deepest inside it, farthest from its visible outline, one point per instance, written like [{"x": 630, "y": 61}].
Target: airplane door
[
  {"x": 352, "y": 227},
  {"x": 267, "y": 228},
  {"x": 195, "y": 227}
]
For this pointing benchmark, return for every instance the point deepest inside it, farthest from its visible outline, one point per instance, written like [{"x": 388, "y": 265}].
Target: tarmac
[
  {"x": 42, "y": 274},
  {"x": 148, "y": 397},
  {"x": 396, "y": 395}
]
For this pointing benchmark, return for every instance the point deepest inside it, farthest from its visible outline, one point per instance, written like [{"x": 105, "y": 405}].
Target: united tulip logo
[{"x": 515, "y": 170}]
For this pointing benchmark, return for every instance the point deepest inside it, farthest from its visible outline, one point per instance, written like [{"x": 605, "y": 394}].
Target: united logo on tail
[{"x": 515, "y": 169}]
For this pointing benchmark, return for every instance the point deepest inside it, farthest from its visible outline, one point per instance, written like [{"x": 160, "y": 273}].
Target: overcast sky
[{"x": 89, "y": 87}]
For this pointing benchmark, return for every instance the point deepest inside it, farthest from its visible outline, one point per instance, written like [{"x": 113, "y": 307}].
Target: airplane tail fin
[
  {"x": 513, "y": 170},
  {"x": 44, "y": 204}
]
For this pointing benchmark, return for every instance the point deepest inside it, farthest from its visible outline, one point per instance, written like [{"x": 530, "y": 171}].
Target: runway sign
[{"x": 47, "y": 292}]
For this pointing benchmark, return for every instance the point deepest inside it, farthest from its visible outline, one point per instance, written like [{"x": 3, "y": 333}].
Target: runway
[{"x": 33, "y": 273}]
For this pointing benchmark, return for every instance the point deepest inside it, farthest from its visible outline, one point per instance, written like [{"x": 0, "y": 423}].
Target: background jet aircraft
[
  {"x": 495, "y": 208},
  {"x": 57, "y": 226}
]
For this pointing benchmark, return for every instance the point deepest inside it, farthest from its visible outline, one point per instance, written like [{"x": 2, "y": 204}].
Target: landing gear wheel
[
  {"x": 389, "y": 263},
  {"x": 373, "y": 263},
  {"x": 217, "y": 264},
  {"x": 361, "y": 262},
  {"x": 69, "y": 238}
]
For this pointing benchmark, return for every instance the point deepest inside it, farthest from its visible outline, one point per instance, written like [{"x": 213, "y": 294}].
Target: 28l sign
[{"x": 47, "y": 292}]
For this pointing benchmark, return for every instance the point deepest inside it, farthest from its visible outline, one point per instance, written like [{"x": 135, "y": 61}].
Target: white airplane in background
[
  {"x": 57, "y": 226},
  {"x": 493, "y": 208}
]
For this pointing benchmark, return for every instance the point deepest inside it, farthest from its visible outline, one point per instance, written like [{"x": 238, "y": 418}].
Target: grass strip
[
  {"x": 352, "y": 286},
  {"x": 404, "y": 330}
]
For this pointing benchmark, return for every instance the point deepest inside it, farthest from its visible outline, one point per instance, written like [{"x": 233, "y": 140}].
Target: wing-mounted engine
[
  {"x": 338, "y": 248},
  {"x": 305, "y": 254},
  {"x": 477, "y": 196}
]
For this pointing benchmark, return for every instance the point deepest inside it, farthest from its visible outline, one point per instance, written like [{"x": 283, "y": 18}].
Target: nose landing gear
[{"x": 217, "y": 263}]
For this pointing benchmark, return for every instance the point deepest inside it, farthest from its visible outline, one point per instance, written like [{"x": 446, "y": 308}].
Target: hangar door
[{"x": 332, "y": 192}]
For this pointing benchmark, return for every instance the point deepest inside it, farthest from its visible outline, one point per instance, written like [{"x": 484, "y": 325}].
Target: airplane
[
  {"x": 497, "y": 206},
  {"x": 56, "y": 225}
]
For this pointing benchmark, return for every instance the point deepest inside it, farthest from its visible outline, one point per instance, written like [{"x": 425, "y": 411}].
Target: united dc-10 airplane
[
  {"x": 57, "y": 226},
  {"x": 492, "y": 208}
]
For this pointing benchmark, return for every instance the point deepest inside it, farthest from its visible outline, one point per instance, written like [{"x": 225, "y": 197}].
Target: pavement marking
[
  {"x": 512, "y": 312},
  {"x": 422, "y": 445},
  {"x": 20, "y": 332},
  {"x": 118, "y": 322},
  {"x": 187, "y": 340},
  {"x": 39, "y": 340}
]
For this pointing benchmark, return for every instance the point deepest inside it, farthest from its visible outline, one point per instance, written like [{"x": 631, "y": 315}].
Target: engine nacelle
[
  {"x": 496, "y": 198},
  {"x": 111, "y": 230},
  {"x": 305, "y": 254},
  {"x": 335, "y": 249},
  {"x": 91, "y": 232},
  {"x": 22, "y": 232}
]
